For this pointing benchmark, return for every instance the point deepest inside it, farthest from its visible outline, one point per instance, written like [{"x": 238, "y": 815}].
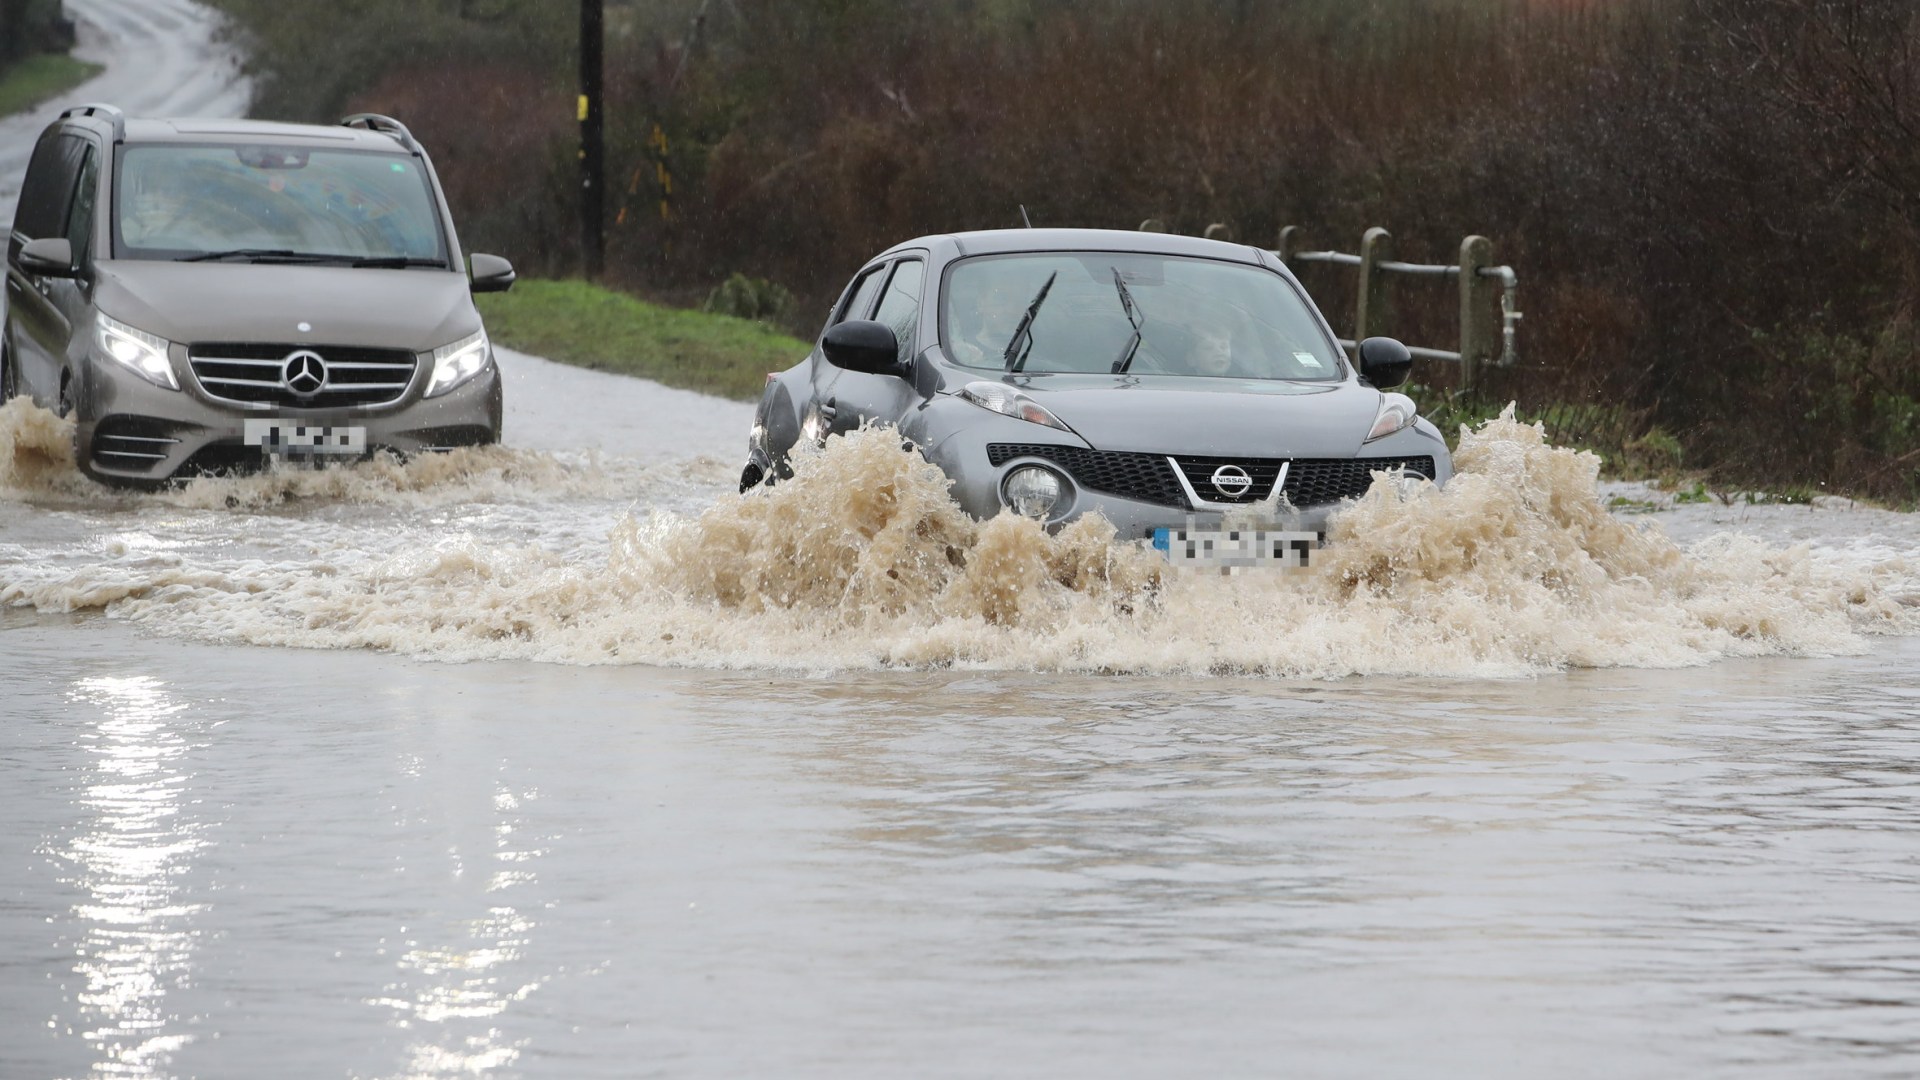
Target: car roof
[
  {"x": 1006, "y": 241},
  {"x": 191, "y": 130}
]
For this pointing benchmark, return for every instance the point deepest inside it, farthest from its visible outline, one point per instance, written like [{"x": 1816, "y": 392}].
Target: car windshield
[
  {"x": 182, "y": 202},
  {"x": 1111, "y": 312}
]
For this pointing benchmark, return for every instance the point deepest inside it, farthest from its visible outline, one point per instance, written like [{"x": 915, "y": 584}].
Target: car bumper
[{"x": 133, "y": 432}]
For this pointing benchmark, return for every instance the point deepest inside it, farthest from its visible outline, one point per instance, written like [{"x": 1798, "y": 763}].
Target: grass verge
[
  {"x": 582, "y": 324},
  {"x": 38, "y": 78}
]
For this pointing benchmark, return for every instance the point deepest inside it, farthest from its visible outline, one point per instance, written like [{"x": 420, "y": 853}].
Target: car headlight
[
  {"x": 1033, "y": 491},
  {"x": 1396, "y": 412},
  {"x": 456, "y": 363},
  {"x": 138, "y": 351},
  {"x": 1005, "y": 400}
]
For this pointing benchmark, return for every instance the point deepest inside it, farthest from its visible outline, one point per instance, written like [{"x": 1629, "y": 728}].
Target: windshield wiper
[
  {"x": 257, "y": 253},
  {"x": 1133, "y": 317},
  {"x": 1015, "y": 357},
  {"x": 316, "y": 257},
  {"x": 396, "y": 262}
]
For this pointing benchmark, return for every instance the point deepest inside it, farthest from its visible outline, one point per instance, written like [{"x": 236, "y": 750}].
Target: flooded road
[
  {"x": 246, "y": 862},
  {"x": 997, "y": 819}
]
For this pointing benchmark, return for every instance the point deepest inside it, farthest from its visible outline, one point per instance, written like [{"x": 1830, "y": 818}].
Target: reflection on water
[
  {"x": 135, "y": 940},
  {"x": 451, "y": 994}
]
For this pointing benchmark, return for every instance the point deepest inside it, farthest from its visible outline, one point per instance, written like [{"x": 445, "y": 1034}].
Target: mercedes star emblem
[
  {"x": 305, "y": 373},
  {"x": 1231, "y": 481}
]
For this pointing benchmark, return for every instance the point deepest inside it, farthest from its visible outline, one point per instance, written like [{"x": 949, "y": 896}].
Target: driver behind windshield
[
  {"x": 983, "y": 329},
  {"x": 1212, "y": 352}
]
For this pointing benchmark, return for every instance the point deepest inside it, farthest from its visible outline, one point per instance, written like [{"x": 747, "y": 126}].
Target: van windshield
[
  {"x": 186, "y": 202},
  {"x": 1139, "y": 314}
]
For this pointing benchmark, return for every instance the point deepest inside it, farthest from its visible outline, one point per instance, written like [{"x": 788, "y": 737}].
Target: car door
[
  {"x": 822, "y": 412},
  {"x": 858, "y": 397},
  {"x": 37, "y": 327}
]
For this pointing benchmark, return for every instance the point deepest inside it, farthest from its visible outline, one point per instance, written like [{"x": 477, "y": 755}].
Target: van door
[
  {"x": 37, "y": 328},
  {"x": 72, "y": 298}
]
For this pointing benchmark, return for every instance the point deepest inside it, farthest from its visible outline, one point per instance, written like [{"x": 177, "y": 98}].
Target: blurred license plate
[
  {"x": 1236, "y": 547},
  {"x": 284, "y": 437}
]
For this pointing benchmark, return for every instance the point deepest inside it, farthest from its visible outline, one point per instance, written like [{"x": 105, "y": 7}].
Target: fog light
[{"x": 1032, "y": 492}]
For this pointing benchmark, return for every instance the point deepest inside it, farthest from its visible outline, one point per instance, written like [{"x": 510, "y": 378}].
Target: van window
[
  {"x": 48, "y": 190},
  {"x": 79, "y": 231}
]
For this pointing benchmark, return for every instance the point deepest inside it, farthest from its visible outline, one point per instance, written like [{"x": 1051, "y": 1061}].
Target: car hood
[
  {"x": 1168, "y": 414},
  {"x": 400, "y": 309}
]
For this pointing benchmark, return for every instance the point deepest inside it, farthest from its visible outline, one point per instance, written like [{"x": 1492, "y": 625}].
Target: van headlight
[
  {"x": 456, "y": 363},
  {"x": 136, "y": 350}
]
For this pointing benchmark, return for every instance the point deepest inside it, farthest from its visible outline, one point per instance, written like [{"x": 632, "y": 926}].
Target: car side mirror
[
  {"x": 1384, "y": 362},
  {"x": 490, "y": 273},
  {"x": 50, "y": 256},
  {"x": 859, "y": 345}
]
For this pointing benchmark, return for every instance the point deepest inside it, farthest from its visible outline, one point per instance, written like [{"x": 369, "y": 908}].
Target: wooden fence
[{"x": 1482, "y": 341}]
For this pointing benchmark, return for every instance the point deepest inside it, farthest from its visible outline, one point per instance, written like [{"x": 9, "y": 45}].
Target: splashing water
[
  {"x": 36, "y": 450},
  {"x": 862, "y": 560},
  {"x": 37, "y": 464}
]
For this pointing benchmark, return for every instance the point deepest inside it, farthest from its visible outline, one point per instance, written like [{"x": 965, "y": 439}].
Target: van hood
[
  {"x": 417, "y": 310},
  {"x": 1171, "y": 414}
]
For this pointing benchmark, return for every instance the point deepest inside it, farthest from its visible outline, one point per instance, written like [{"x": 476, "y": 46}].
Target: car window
[
  {"x": 79, "y": 231},
  {"x": 1196, "y": 317},
  {"x": 178, "y": 200},
  {"x": 48, "y": 188},
  {"x": 900, "y": 307},
  {"x": 860, "y": 296}
]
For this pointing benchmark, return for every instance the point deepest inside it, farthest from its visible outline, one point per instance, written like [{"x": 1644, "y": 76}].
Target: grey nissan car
[
  {"x": 1162, "y": 381},
  {"x": 203, "y": 295}
]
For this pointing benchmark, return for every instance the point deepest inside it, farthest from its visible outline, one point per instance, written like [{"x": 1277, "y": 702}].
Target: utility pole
[{"x": 593, "y": 157}]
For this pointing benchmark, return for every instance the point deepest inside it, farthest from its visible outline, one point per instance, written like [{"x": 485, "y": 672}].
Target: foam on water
[{"x": 862, "y": 560}]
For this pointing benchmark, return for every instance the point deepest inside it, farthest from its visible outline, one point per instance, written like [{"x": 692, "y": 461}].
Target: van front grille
[{"x": 302, "y": 376}]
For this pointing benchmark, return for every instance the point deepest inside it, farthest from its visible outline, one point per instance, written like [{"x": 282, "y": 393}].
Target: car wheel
[
  {"x": 751, "y": 476},
  {"x": 9, "y": 378}
]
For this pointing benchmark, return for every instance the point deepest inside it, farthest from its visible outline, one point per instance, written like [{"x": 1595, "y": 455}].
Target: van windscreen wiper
[
  {"x": 274, "y": 254},
  {"x": 397, "y": 262}
]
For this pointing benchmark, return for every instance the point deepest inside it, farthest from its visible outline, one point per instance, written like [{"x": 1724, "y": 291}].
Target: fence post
[
  {"x": 1477, "y": 333},
  {"x": 1219, "y": 230},
  {"x": 1289, "y": 243},
  {"x": 1153, "y": 224},
  {"x": 1370, "y": 312}
]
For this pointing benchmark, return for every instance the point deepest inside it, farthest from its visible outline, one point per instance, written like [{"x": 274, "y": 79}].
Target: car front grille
[
  {"x": 252, "y": 373},
  {"x": 1145, "y": 477},
  {"x": 1150, "y": 477},
  {"x": 1199, "y": 473},
  {"x": 1313, "y": 481}
]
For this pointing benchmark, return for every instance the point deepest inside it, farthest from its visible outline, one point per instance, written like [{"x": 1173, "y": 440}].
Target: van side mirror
[
  {"x": 50, "y": 256},
  {"x": 1384, "y": 362},
  {"x": 860, "y": 345},
  {"x": 490, "y": 273}
]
